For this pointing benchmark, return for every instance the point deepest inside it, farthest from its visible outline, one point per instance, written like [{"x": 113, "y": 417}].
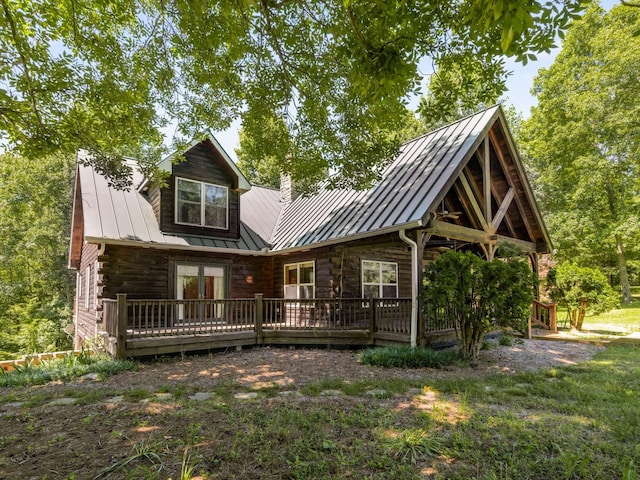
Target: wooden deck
[{"x": 151, "y": 327}]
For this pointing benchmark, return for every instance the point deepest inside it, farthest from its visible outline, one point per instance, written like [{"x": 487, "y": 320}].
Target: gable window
[
  {"x": 201, "y": 204},
  {"x": 379, "y": 279},
  {"x": 299, "y": 280}
]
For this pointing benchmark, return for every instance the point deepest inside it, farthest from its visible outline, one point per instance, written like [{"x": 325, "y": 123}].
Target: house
[{"x": 210, "y": 260}]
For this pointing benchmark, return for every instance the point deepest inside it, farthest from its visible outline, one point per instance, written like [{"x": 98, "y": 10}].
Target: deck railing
[
  {"x": 544, "y": 315},
  {"x": 131, "y": 319}
]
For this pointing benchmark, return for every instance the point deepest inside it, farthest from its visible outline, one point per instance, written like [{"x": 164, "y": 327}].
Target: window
[
  {"x": 201, "y": 204},
  {"x": 299, "y": 280},
  {"x": 379, "y": 279}
]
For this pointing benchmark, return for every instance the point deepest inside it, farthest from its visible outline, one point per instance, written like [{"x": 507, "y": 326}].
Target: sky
[{"x": 518, "y": 93}]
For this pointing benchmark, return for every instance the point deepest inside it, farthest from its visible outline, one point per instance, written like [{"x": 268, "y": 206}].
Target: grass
[
  {"x": 563, "y": 423},
  {"x": 66, "y": 368},
  {"x": 618, "y": 322}
]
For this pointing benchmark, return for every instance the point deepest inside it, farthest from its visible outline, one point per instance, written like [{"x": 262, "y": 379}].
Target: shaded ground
[{"x": 198, "y": 402}]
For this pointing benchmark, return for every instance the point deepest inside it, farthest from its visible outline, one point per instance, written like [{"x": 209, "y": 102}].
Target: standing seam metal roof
[
  {"x": 410, "y": 187},
  {"x": 126, "y": 216}
]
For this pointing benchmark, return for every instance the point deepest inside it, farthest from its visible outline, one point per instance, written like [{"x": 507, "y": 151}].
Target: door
[{"x": 200, "y": 282}]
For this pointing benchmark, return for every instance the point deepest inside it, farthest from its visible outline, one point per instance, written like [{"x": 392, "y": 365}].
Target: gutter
[{"x": 414, "y": 286}]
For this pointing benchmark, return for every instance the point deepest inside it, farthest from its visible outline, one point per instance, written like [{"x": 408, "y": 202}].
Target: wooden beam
[
  {"x": 506, "y": 219},
  {"x": 449, "y": 230},
  {"x": 486, "y": 180},
  {"x": 472, "y": 200},
  {"x": 502, "y": 211},
  {"x": 503, "y": 164}
]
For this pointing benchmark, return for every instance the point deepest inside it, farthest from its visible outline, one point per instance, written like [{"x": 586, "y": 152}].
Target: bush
[
  {"x": 407, "y": 357},
  {"x": 581, "y": 289},
  {"x": 478, "y": 295}
]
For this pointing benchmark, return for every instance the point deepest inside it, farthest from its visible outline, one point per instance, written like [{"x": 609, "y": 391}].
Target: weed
[
  {"x": 414, "y": 446},
  {"x": 188, "y": 465},
  {"x": 506, "y": 339},
  {"x": 136, "y": 394},
  {"x": 142, "y": 451}
]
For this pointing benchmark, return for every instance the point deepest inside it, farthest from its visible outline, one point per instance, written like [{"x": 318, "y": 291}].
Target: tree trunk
[
  {"x": 624, "y": 275},
  {"x": 573, "y": 318},
  {"x": 582, "y": 310}
]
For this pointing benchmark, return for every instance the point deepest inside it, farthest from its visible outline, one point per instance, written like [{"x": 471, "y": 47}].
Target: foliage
[
  {"x": 582, "y": 139},
  {"x": 107, "y": 77},
  {"x": 479, "y": 295},
  {"x": 581, "y": 289},
  {"x": 36, "y": 288},
  {"x": 404, "y": 356},
  {"x": 66, "y": 368}
]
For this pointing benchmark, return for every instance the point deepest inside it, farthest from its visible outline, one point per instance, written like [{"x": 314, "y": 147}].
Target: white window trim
[
  {"x": 380, "y": 284},
  {"x": 298, "y": 285},
  {"x": 87, "y": 282},
  {"x": 202, "y": 204},
  {"x": 95, "y": 285}
]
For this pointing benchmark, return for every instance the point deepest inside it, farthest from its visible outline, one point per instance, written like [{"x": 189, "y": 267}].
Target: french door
[{"x": 200, "y": 282}]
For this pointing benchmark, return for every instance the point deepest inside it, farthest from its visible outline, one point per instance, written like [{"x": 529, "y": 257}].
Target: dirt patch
[{"x": 78, "y": 440}]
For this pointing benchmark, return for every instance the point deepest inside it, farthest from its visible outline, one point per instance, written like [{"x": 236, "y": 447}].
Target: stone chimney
[{"x": 287, "y": 189}]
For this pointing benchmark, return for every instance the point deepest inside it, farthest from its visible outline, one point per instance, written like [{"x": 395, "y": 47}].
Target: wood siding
[
  {"x": 87, "y": 319},
  {"x": 203, "y": 164},
  {"x": 338, "y": 268},
  {"x": 144, "y": 273}
]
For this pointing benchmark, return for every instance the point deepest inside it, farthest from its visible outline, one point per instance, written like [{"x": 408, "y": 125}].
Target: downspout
[{"x": 414, "y": 286}]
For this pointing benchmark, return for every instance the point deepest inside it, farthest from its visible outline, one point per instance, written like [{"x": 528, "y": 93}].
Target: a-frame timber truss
[{"x": 490, "y": 202}]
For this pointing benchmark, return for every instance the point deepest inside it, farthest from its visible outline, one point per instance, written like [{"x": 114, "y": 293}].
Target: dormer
[{"x": 202, "y": 196}]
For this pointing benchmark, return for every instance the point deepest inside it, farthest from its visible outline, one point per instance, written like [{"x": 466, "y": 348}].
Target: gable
[
  {"x": 439, "y": 168},
  {"x": 203, "y": 166}
]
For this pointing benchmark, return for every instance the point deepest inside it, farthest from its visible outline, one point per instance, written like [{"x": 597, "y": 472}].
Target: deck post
[
  {"x": 553, "y": 321},
  {"x": 372, "y": 320},
  {"x": 121, "y": 326},
  {"x": 259, "y": 317}
]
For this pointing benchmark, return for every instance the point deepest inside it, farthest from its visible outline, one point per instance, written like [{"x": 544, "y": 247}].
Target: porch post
[
  {"x": 259, "y": 317},
  {"x": 413, "y": 247},
  {"x": 121, "y": 326}
]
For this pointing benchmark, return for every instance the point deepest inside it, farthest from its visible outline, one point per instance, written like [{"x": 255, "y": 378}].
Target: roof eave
[{"x": 170, "y": 246}]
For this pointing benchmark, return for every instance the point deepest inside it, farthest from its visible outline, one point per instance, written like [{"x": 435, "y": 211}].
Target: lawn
[
  {"x": 617, "y": 322},
  {"x": 573, "y": 422}
]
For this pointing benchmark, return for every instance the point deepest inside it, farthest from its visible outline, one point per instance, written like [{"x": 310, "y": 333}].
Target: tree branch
[{"x": 23, "y": 60}]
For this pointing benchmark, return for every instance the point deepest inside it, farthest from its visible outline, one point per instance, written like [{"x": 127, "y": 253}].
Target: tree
[
  {"x": 36, "y": 288},
  {"x": 580, "y": 289},
  {"x": 107, "y": 76},
  {"x": 479, "y": 295},
  {"x": 583, "y": 138}
]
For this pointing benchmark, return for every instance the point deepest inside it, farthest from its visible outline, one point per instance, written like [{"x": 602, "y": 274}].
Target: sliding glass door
[{"x": 200, "y": 282}]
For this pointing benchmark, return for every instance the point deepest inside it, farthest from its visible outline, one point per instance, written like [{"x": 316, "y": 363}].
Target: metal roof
[
  {"x": 410, "y": 187},
  {"x": 125, "y": 216},
  {"x": 260, "y": 209}
]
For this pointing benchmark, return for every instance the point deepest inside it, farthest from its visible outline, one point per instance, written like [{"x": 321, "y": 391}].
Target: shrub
[
  {"x": 478, "y": 295},
  {"x": 581, "y": 289},
  {"x": 407, "y": 357}
]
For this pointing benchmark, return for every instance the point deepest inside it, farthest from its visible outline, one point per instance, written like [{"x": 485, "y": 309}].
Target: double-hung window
[
  {"x": 299, "y": 280},
  {"x": 201, "y": 204},
  {"x": 379, "y": 279}
]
